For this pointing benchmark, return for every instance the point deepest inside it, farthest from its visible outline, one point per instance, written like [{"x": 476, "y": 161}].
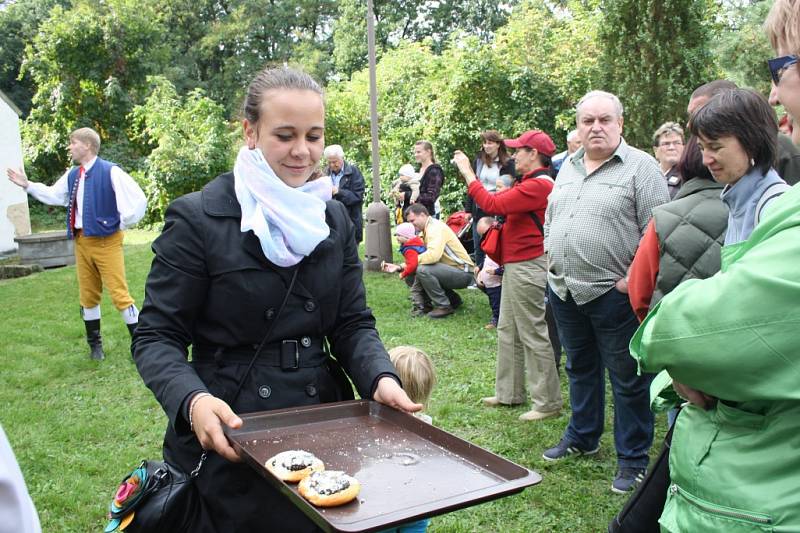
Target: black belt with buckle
[{"x": 288, "y": 354}]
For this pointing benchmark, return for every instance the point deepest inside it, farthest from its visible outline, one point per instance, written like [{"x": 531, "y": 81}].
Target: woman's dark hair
[
  {"x": 275, "y": 78},
  {"x": 691, "y": 163},
  {"x": 427, "y": 146},
  {"x": 747, "y": 116},
  {"x": 502, "y": 152}
]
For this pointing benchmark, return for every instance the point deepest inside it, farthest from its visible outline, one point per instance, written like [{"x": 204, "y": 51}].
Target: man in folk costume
[{"x": 101, "y": 201}]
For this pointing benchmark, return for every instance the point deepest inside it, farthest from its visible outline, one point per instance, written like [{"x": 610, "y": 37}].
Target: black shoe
[
  {"x": 565, "y": 449},
  {"x": 131, "y": 328},
  {"x": 455, "y": 299},
  {"x": 628, "y": 479},
  {"x": 94, "y": 339}
]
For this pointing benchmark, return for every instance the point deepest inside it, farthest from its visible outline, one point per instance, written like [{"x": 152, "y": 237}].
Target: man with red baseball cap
[{"x": 522, "y": 309}]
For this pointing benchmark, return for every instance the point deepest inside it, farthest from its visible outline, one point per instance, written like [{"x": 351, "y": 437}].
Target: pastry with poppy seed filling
[
  {"x": 329, "y": 488},
  {"x": 293, "y": 465}
]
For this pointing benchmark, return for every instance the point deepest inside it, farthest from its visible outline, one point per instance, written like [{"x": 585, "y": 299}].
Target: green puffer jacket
[{"x": 736, "y": 336}]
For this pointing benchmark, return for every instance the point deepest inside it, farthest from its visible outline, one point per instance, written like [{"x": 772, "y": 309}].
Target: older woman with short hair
[{"x": 737, "y": 132}]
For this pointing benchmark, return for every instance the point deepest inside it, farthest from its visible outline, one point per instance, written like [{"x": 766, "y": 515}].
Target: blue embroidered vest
[{"x": 100, "y": 215}]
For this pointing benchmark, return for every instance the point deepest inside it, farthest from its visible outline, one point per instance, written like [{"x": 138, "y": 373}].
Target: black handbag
[
  {"x": 643, "y": 509},
  {"x": 158, "y": 497},
  {"x": 167, "y": 502}
]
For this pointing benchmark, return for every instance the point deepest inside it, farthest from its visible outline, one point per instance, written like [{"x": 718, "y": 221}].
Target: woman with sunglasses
[{"x": 783, "y": 28}]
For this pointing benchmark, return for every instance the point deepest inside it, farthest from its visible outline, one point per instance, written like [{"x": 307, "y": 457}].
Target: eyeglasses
[
  {"x": 779, "y": 65},
  {"x": 671, "y": 143}
]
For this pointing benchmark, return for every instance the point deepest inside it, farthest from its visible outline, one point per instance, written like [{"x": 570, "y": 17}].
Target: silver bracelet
[{"x": 191, "y": 407}]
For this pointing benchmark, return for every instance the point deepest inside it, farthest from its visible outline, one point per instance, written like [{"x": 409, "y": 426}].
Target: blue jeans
[
  {"x": 596, "y": 337},
  {"x": 477, "y": 214}
]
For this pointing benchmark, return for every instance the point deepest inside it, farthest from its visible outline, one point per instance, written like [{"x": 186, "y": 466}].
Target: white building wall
[{"x": 14, "y": 217}]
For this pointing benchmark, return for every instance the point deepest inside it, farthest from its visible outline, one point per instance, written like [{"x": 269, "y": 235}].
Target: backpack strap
[
  {"x": 537, "y": 222},
  {"x": 449, "y": 252},
  {"x": 533, "y": 214},
  {"x": 771, "y": 192}
]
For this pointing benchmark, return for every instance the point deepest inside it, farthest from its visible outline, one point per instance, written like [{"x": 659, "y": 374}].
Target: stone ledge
[{"x": 18, "y": 271}]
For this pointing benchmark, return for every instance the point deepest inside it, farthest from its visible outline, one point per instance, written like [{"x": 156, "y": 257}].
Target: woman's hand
[
  {"x": 698, "y": 398},
  {"x": 462, "y": 162},
  {"x": 208, "y": 414},
  {"x": 390, "y": 393}
]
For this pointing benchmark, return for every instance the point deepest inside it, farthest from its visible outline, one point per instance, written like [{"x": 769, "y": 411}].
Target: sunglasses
[{"x": 778, "y": 65}]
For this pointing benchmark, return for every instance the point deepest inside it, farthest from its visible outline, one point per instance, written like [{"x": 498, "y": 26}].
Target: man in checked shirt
[{"x": 597, "y": 213}]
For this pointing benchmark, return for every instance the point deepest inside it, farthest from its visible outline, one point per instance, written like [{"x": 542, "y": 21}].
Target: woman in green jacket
[{"x": 732, "y": 341}]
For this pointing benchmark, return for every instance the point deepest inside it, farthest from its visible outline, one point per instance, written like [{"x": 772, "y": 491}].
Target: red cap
[{"x": 536, "y": 139}]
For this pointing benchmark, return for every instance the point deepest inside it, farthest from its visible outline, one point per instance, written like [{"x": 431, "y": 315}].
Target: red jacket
[
  {"x": 521, "y": 240},
  {"x": 643, "y": 272},
  {"x": 411, "y": 250}
]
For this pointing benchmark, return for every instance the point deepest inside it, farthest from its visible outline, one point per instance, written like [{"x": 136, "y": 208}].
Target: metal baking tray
[{"x": 408, "y": 469}]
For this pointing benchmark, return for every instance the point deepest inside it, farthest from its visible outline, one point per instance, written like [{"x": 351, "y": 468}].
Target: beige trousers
[{"x": 522, "y": 340}]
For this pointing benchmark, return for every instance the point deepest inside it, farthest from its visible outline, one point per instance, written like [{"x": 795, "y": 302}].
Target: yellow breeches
[{"x": 99, "y": 262}]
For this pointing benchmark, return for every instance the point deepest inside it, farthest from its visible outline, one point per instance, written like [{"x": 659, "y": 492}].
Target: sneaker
[
  {"x": 534, "y": 415},
  {"x": 565, "y": 449},
  {"x": 490, "y": 325},
  {"x": 628, "y": 479},
  {"x": 441, "y": 312}
]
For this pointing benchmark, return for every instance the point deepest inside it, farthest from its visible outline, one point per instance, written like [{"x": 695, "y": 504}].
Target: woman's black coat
[{"x": 210, "y": 286}]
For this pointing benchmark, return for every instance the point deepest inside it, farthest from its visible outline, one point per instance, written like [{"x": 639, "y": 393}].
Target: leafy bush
[{"x": 188, "y": 139}]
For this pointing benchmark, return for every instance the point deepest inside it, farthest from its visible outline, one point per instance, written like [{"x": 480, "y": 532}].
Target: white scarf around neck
[{"x": 289, "y": 222}]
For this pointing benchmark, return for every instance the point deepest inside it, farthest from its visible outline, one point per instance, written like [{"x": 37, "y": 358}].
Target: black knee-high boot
[{"x": 94, "y": 339}]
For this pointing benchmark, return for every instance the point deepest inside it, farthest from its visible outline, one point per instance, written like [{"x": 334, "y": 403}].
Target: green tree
[
  {"x": 655, "y": 52},
  {"x": 743, "y": 47},
  {"x": 252, "y": 33},
  {"x": 188, "y": 139},
  {"x": 89, "y": 65},
  {"x": 413, "y": 20},
  {"x": 19, "y": 22}
]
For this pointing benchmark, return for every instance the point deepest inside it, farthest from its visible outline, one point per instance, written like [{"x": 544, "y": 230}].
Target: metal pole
[
  {"x": 378, "y": 245},
  {"x": 373, "y": 104}
]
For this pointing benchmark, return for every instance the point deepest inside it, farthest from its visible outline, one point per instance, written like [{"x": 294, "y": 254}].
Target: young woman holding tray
[{"x": 260, "y": 259}]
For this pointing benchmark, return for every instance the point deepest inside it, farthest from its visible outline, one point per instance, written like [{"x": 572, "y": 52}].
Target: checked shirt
[{"x": 594, "y": 223}]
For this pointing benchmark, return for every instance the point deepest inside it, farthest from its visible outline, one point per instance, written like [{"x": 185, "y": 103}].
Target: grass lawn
[{"x": 78, "y": 426}]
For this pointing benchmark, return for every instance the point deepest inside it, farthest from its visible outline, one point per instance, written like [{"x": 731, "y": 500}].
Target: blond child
[{"x": 416, "y": 372}]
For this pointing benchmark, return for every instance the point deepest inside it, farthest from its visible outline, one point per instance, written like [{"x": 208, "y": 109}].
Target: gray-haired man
[
  {"x": 597, "y": 213},
  {"x": 348, "y": 185}
]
